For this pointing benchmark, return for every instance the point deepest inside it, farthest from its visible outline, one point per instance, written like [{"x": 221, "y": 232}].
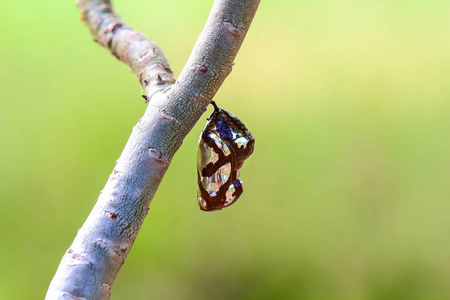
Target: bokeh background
[{"x": 347, "y": 195}]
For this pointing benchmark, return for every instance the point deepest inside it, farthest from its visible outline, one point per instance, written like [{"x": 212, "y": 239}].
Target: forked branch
[{"x": 90, "y": 265}]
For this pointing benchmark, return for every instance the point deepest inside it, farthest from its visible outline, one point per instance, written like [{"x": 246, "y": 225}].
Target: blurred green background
[{"x": 347, "y": 195}]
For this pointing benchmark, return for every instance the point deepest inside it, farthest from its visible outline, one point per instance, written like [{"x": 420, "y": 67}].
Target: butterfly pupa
[{"x": 224, "y": 144}]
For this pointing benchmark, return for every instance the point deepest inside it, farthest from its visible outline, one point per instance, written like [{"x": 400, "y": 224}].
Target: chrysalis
[{"x": 224, "y": 144}]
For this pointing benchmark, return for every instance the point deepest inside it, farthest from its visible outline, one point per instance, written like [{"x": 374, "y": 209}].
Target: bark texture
[{"x": 91, "y": 264}]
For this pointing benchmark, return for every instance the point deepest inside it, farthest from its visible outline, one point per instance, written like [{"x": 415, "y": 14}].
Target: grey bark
[{"x": 90, "y": 265}]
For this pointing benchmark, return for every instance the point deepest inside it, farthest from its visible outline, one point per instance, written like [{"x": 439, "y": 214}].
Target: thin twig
[
  {"x": 89, "y": 267},
  {"x": 144, "y": 57}
]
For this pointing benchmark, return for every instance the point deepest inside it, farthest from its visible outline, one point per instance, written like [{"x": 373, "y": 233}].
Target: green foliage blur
[{"x": 347, "y": 195}]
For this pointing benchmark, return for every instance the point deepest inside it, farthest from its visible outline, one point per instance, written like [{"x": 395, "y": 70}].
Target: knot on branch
[
  {"x": 165, "y": 115},
  {"x": 154, "y": 77},
  {"x": 234, "y": 30},
  {"x": 75, "y": 259},
  {"x": 112, "y": 216},
  {"x": 203, "y": 70},
  {"x": 68, "y": 296},
  {"x": 158, "y": 157},
  {"x": 119, "y": 254},
  {"x": 159, "y": 80}
]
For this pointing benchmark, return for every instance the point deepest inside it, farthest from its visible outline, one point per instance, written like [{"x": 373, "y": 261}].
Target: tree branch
[
  {"x": 90, "y": 265},
  {"x": 144, "y": 57}
]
